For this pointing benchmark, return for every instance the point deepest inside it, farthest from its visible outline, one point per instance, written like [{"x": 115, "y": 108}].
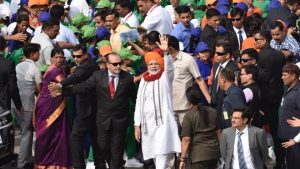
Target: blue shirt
[
  {"x": 183, "y": 34},
  {"x": 204, "y": 68}
]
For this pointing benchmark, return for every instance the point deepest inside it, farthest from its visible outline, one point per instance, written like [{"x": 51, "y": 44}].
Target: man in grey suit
[{"x": 243, "y": 146}]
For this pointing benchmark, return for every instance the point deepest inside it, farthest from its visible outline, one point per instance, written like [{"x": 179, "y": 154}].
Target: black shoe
[{"x": 280, "y": 166}]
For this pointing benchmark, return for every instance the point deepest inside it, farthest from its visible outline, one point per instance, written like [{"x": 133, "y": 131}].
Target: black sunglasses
[
  {"x": 221, "y": 54},
  {"x": 237, "y": 19},
  {"x": 255, "y": 39},
  {"x": 117, "y": 64},
  {"x": 77, "y": 56},
  {"x": 245, "y": 60}
]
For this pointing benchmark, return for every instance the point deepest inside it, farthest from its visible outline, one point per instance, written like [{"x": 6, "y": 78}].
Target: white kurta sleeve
[
  {"x": 137, "y": 112},
  {"x": 169, "y": 67}
]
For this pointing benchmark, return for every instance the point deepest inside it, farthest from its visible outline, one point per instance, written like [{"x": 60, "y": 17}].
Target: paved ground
[{"x": 17, "y": 149}]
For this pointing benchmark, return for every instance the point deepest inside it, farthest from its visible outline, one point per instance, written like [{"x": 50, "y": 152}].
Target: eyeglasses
[
  {"x": 256, "y": 39},
  {"x": 117, "y": 64},
  {"x": 77, "y": 56},
  {"x": 221, "y": 54},
  {"x": 245, "y": 60},
  {"x": 236, "y": 19}
]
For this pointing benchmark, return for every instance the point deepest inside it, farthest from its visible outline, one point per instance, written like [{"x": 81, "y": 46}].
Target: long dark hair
[{"x": 193, "y": 95}]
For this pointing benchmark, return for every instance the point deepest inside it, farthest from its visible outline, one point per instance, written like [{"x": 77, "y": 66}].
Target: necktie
[
  {"x": 241, "y": 158},
  {"x": 240, "y": 38},
  {"x": 112, "y": 86}
]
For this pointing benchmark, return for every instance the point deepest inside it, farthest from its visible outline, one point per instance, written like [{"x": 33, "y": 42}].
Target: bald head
[{"x": 114, "y": 63}]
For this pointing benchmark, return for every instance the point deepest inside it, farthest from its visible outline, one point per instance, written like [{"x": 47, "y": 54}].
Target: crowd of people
[{"x": 200, "y": 84}]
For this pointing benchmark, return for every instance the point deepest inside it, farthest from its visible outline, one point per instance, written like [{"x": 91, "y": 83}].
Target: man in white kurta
[{"x": 154, "y": 115}]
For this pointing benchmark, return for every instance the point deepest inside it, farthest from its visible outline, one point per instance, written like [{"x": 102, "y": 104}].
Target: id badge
[{"x": 225, "y": 114}]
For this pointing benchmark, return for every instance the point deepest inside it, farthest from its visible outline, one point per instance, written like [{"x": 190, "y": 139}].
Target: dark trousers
[
  {"x": 82, "y": 126},
  {"x": 292, "y": 156},
  {"x": 112, "y": 144},
  {"x": 271, "y": 118},
  {"x": 209, "y": 164}
]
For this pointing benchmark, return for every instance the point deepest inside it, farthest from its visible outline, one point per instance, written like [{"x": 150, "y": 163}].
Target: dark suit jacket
[
  {"x": 233, "y": 97},
  {"x": 208, "y": 36},
  {"x": 233, "y": 38},
  {"x": 217, "y": 94},
  {"x": 85, "y": 103},
  {"x": 111, "y": 112},
  {"x": 257, "y": 144},
  {"x": 270, "y": 63},
  {"x": 8, "y": 84}
]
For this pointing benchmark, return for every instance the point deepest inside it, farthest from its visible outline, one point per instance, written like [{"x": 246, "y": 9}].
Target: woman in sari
[{"x": 51, "y": 123}]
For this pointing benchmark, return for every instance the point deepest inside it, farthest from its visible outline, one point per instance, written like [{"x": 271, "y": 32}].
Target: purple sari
[{"x": 52, "y": 132}]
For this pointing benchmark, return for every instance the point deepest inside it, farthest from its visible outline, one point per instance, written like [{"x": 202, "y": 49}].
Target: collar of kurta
[{"x": 152, "y": 8}]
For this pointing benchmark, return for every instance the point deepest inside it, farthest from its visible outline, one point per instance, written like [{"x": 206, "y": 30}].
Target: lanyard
[
  {"x": 153, "y": 8},
  {"x": 130, "y": 14}
]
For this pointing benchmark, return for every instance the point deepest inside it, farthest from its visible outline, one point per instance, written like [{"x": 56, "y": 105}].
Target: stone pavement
[{"x": 17, "y": 149}]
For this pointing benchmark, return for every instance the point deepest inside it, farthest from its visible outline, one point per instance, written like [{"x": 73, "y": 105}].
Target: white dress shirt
[
  {"x": 65, "y": 34},
  {"x": 223, "y": 65},
  {"x": 116, "y": 80},
  {"x": 158, "y": 19},
  {"x": 237, "y": 34},
  {"x": 246, "y": 149},
  {"x": 131, "y": 20}
]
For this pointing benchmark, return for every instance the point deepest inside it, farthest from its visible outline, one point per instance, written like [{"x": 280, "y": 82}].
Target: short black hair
[
  {"x": 212, "y": 12},
  {"x": 252, "y": 53},
  {"x": 152, "y": 37},
  {"x": 57, "y": 11},
  {"x": 292, "y": 2},
  {"x": 80, "y": 47},
  {"x": 253, "y": 24},
  {"x": 125, "y": 4},
  {"x": 22, "y": 17},
  {"x": 49, "y": 23},
  {"x": 101, "y": 14},
  {"x": 237, "y": 11},
  {"x": 31, "y": 48},
  {"x": 228, "y": 74},
  {"x": 183, "y": 9},
  {"x": 245, "y": 112},
  {"x": 253, "y": 70},
  {"x": 265, "y": 34},
  {"x": 113, "y": 12},
  {"x": 227, "y": 47},
  {"x": 57, "y": 50},
  {"x": 277, "y": 24},
  {"x": 2, "y": 44},
  {"x": 173, "y": 42}
]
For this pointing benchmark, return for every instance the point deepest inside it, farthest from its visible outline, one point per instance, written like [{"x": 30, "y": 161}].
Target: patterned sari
[{"x": 52, "y": 131}]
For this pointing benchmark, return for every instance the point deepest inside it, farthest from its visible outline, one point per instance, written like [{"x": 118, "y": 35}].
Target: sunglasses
[
  {"x": 77, "y": 56},
  {"x": 236, "y": 19},
  {"x": 117, "y": 64},
  {"x": 255, "y": 39},
  {"x": 221, "y": 54},
  {"x": 245, "y": 60}
]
